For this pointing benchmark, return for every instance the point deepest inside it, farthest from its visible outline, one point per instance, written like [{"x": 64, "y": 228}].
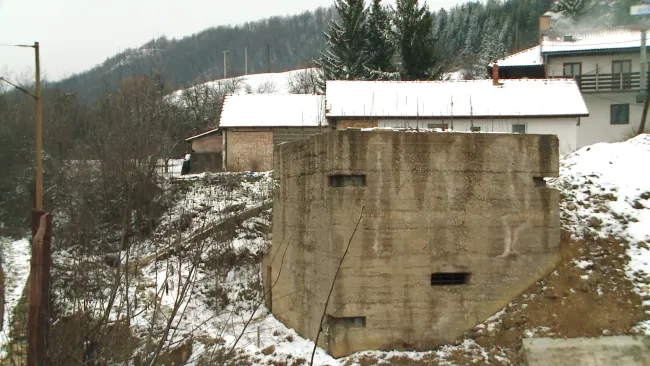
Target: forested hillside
[
  {"x": 291, "y": 42},
  {"x": 494, "y": 28}
]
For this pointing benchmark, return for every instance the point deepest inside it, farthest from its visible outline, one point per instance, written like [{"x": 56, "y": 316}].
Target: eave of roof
[{"x": 202, "y": 134}]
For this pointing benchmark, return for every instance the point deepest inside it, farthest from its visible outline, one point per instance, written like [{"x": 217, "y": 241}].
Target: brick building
[
  {"x": 252, "y": 124},
  {"x": 206, "y": 155}
]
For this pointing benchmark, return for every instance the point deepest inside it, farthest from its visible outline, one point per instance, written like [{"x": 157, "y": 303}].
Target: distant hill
[
  {"x": 468, "y": 37},
  {"x": 291, "y": 41}
]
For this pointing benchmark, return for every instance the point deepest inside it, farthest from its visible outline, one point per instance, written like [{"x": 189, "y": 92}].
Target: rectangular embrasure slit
[
  {"x": 449, "y": 278},
  {"x": 539, "y": 182},
  {"x": 348, "y": 321},
  {"x": 347, "y": 180}
]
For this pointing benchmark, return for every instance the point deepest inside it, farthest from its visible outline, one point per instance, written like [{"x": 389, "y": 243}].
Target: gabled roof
[
  {"x": 273, "y": 110},
  {"x": 202, "y": 134},
  {"x": 593, "y": 40},
  {"x": 528, "y": 57},
  {"x": 477, "y": 98}
]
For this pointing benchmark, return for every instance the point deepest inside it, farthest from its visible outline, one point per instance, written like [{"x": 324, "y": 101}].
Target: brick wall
[
  {"x": 207, "y": 144},
  {"x": 250, "y": 149}
]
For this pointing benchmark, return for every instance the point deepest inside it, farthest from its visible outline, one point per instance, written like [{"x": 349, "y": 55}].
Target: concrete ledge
[{"x": 603, "y": 351}]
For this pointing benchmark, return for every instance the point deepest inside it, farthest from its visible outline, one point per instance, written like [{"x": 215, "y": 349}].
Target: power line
[{"x": 16, "y": 45}]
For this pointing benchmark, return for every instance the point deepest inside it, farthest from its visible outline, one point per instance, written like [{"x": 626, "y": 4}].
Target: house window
[
  {"x": 622, "y": 75},
  {"x": 348, "y": 321},
  {"x": 619, "y": 114},
  {"x": 449, "y": 278},
  {"x": 475, "y": 129},
  {"x": 572, "y": 69},
  {"x": 350, "y": 180},
  {"x": 442, "y": 126},
  {"x": 518, "y": 128}
]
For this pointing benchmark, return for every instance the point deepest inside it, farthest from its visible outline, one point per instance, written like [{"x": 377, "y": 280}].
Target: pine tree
[
  {"x": 574, "y": 9},
  {"x": 379, "y": 45},
  {"x": 414, "y": 28},
  {"x": 345, "y": 57}
]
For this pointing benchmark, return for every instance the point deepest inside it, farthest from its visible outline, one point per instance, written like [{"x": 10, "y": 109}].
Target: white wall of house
[
  {"x": 591, "y": 63},
  {"x": 598, "y": 126},
  {"x": 564, "y": 128}
]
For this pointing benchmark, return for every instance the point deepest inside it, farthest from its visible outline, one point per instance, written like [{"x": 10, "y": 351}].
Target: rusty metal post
[{"x": 39, "y": 288}]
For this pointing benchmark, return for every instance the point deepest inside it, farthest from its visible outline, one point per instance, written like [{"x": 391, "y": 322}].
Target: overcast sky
[{"x": 78, "y": 34}]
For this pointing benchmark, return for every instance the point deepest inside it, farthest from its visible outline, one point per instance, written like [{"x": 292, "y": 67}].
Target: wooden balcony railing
[{"x": 609, "y": 82}]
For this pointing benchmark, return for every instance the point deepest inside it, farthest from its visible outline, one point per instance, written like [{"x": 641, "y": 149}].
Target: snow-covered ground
[
  {"x": 15, "y": 262},
  {"x": 606, "y": 193},
  {"x": 277, "y": 83}
]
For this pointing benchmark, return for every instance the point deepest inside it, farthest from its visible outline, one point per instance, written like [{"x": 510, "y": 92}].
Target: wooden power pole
[
  {"x": 41, "y": 259},
  {"x": 39, "y": 132},
  {"x": 268, "y": 58}
]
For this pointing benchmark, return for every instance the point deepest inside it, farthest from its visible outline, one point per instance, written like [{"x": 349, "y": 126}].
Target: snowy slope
[
  {"x": 15, "y": 262},
  {"x": 607, "y": 194},
  {"x": 257, "y": 83}
]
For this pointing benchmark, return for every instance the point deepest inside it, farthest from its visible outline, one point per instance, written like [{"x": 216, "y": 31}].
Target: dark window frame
[
  {"x": 519, "y": 124},
  {"x": 613, "y": 120},
  {"x": 571, "y": 65},
  {"x": 621, "y": 80}
]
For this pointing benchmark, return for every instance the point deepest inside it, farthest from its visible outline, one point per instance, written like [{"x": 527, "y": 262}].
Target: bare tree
[{"x": 307, "y": 81}]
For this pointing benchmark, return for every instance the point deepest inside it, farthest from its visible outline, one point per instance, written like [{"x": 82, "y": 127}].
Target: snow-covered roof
[
  {"x": 476, "y": 98},
  {"x": 272, "y": 110},
  {"x": 202, "y": 134},
  {"x": 528, "y": 57},
  {"x": 592, "y": 40}
]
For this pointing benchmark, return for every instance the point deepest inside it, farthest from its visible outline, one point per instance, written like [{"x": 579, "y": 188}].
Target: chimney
[
  {"x": 544, "y": 26},
  {"x": 568, "y": 38},
  {"x": 495, "y": 74}
]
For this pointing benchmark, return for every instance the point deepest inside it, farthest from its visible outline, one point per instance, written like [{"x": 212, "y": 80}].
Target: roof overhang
[
  {"x": 202, "y": 134},
  {"x": 460, "y": 117}
]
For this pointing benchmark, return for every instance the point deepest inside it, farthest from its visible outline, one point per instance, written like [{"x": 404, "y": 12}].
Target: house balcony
[{"x": 602, "y": 83}]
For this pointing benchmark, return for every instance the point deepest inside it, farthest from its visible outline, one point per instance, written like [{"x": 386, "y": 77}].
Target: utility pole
[
  {"x": 39, "y": 131},
  {"x": 225, "y": 64},
  {"x": 41, "y": 225},
  {"x": 41, "y": 261},
  {"x": 642, "y": 11},
  {"x": 245, "y": 60},
  {"x": 268, "y": 58},
  {"x": 644, "y": 80}
]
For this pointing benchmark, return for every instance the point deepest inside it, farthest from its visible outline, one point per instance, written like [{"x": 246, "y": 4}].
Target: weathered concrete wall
[
  {"x": 207, "y": 144},
  {"x": 604, "y": 351},
  {"x": 248, "y": 149},
  {"x": 433, "y": 202}
]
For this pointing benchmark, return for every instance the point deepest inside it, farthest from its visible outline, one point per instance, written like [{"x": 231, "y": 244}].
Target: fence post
[{"x": 39, "y": 288}]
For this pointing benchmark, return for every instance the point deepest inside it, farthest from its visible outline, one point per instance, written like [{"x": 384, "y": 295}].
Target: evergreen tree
[
  {"x": 379, "y": 46},
  {"x": 345, "y": 58},
  {"x": 573, "y": 9},
  {"x": 414, "y": 28}
]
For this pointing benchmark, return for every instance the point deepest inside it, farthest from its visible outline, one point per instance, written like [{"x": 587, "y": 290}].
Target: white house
[
  {"x": 252, "y": 124},
  {"x": 508, "y": 106},
  {"x": 606, "y": 64}
]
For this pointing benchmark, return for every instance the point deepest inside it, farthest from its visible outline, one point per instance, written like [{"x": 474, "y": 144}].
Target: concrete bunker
[{"x": 422, "y": 224}]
